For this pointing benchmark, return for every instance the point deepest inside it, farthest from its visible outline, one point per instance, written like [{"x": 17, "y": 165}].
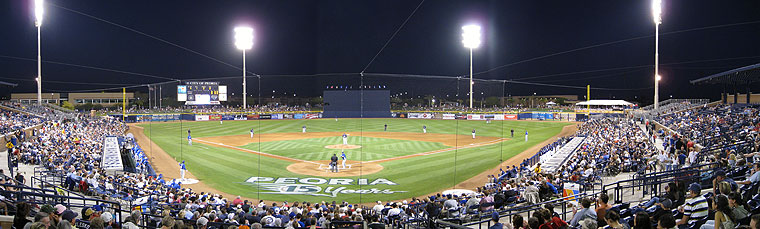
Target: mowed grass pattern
[
  {"x": 313, "y": 149},
  {"x": 227, "y": 169}
]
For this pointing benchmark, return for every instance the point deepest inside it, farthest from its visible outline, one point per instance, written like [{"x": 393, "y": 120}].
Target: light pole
[
  {"x": 244, "y": 41},
  {"x": 657, "y": 16},
  {"x": 471, "y": 40},
  {"x": 38, "y": 11}
]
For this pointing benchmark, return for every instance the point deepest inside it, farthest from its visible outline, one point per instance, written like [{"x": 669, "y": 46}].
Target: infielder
[
  {"x": 473, "y": 133},
  {"x": 220, "y": 122},
  {"x": 182, "y": 170},
  {"x": 385, "y": 127},
  {"x": 343, "y": 157},
  {"x": 251, "y": 132},
  {"x": 189, "y": 138},
  {"x": 345, "y": 139},
  {"x": 526, "y": 135},
  {"x": 303, "y": 129},
  {"x": 424, "y": 129}
]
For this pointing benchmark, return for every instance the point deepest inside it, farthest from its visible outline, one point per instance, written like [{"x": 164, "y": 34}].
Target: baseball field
[{"x": 282, "y": 163}]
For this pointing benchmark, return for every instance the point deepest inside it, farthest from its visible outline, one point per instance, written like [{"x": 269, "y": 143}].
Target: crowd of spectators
[{"x": 714, "y": 125}]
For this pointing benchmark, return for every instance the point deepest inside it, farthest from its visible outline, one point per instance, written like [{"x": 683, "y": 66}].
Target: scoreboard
[{"x": 201, "y": 93}]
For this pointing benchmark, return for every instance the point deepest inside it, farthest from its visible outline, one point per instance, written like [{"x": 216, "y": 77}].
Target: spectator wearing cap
[
  {"x": 665, "y": 206},
  {"x": 51, "y": 212},
  {"x": 202, "y": 223},
  {"x": 496, "y": 223},
  {"x": 720, "y": 176},
  {"x": 107, "y": 220},
  {"x": 695, "y": 207},
  {"x": 67, "y": 220}
]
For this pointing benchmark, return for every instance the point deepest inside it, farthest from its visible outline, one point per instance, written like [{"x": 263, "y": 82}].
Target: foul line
[
  {"x": 257, "y": 152},
  {"x": 439, "y": 151}
]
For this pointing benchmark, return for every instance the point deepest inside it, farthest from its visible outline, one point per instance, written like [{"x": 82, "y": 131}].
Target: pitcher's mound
[
  {"x": 322, "y": 168},
  {"x": 341, "y": 146}
]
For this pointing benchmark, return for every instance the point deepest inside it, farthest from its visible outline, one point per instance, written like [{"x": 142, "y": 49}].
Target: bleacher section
[{"x": 553, "y": 160}]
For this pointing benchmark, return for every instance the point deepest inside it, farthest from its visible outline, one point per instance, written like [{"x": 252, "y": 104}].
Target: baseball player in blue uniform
[
  {"x": 343, "y": 157},
  {"x": 182, "y": 170},
  {"x": 345, "y": 139},
  {"x": 189, "y": 138}
]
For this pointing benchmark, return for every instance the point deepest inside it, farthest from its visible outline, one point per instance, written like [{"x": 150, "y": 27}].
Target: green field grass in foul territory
[{"x": 228, "y": 170}]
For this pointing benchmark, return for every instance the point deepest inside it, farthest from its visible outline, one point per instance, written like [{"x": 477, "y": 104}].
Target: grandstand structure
[{"x": 696, "y": 141}]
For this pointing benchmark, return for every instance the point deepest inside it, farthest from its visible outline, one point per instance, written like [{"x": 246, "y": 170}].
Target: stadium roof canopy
[
  {"x": 604, "y": 102},
  {"x": 744, "y": 75},
  {"x": 8, "y": 84}
]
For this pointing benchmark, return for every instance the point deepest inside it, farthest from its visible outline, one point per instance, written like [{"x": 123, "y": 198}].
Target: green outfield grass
[{"x": 228, "y": 169}]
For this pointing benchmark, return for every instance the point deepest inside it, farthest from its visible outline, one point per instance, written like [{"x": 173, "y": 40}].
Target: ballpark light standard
[
  {"x": 244, "y": 41},
  {"x": 38, "y": 22},
  {"x": 656, "y": 14},
  {"x": 471, "y": 40}
]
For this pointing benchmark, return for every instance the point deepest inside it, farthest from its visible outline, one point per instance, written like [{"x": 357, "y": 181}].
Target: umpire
[{"x": 334, "y": 163}]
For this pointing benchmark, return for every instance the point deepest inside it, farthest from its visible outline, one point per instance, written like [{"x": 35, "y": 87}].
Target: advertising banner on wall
[
  {"x": 252, "y": 117},
  {"x": 298, "y": 116},
  {"x": 461, "y": 116},
  {"x": 311, "y": 116},
  {"x": 449, "y": 116},
  {"x": 421, "y": 115},
  {"x": 240, "y": 117},
  {"x": 510, "y": 117},
  {"x": 214, "y": 117},
  {"x": 228, "y": 117},
  {"x": 201, "y": 118},
  {"x": 265, "y": 116}
]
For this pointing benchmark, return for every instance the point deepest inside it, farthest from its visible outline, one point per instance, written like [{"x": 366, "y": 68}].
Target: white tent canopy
[
  {"x": 550, "y": 103},
  {"x": 604, "y": 102}
]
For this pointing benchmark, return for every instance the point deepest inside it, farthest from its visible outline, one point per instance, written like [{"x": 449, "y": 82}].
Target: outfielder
[
  {"x": 345, "y": 139},
  {"x": 251, "y": 132},
  {"x": 303, "y": 129},
  {"x": 473, "y": 133},
  {"x": 526, "y": 135},
  {"x": 182, "y": 170},
  {"x": 343, "y": 157},
  {"x": 189, "y": 138},
  {"x": 424, "y": 129}
]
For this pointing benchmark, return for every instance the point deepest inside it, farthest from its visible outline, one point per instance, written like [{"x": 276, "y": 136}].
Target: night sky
[{"x": 320, "y": 38}]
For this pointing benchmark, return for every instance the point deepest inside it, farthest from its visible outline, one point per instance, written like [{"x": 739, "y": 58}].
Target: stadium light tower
[
  {"x": 471, "y": 40},
  {"x": 657, "y": 16},
  {"x": 38, "y": 11},
  {"x": 244, "y": 41}
]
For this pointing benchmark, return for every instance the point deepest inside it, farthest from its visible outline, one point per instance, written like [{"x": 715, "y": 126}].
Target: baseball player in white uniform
[
  {"x": 424, "y": 129},
  {"x": 473, "y": 133},
  {"x": 182, "y": 170},
  {"x": 303, "y": 129},
  {"x": 526, "y": 135},
  {"x": 251, "y": 132},
  {"x": 345, "y": 139},
  {"x": 343, "y": 157}
]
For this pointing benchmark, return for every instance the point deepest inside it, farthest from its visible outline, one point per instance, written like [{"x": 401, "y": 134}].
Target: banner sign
[
  {"x": 228, "y": 117},
  {"x": 311, "y": 116},
  {"x": 214, "y": 117},
  {"x": 201, "y": 118},
  {"x": 510, "y": 117},
  {"x": 288, "y": 116},
  {"x": 421, "y": 115},
  {"x": 571, "y": 189},
  {"x": 449, "y": 116},
  {"x": 400, "y": 115},
  {"x": 111, "y": 156},
  {"x": 308, "y": 186},
  {"x": 265, "y": 116},
  {"x": 240, "y": 117},
  {"x": 252, "y": 117},
  {"x": 298, "y": 116},
  {"x": 461, "y": 116},
  {"x": 277, "y": 116}
]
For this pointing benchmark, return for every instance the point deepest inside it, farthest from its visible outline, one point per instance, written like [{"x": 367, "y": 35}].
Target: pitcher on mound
[{"x": 345, "y": 139}]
